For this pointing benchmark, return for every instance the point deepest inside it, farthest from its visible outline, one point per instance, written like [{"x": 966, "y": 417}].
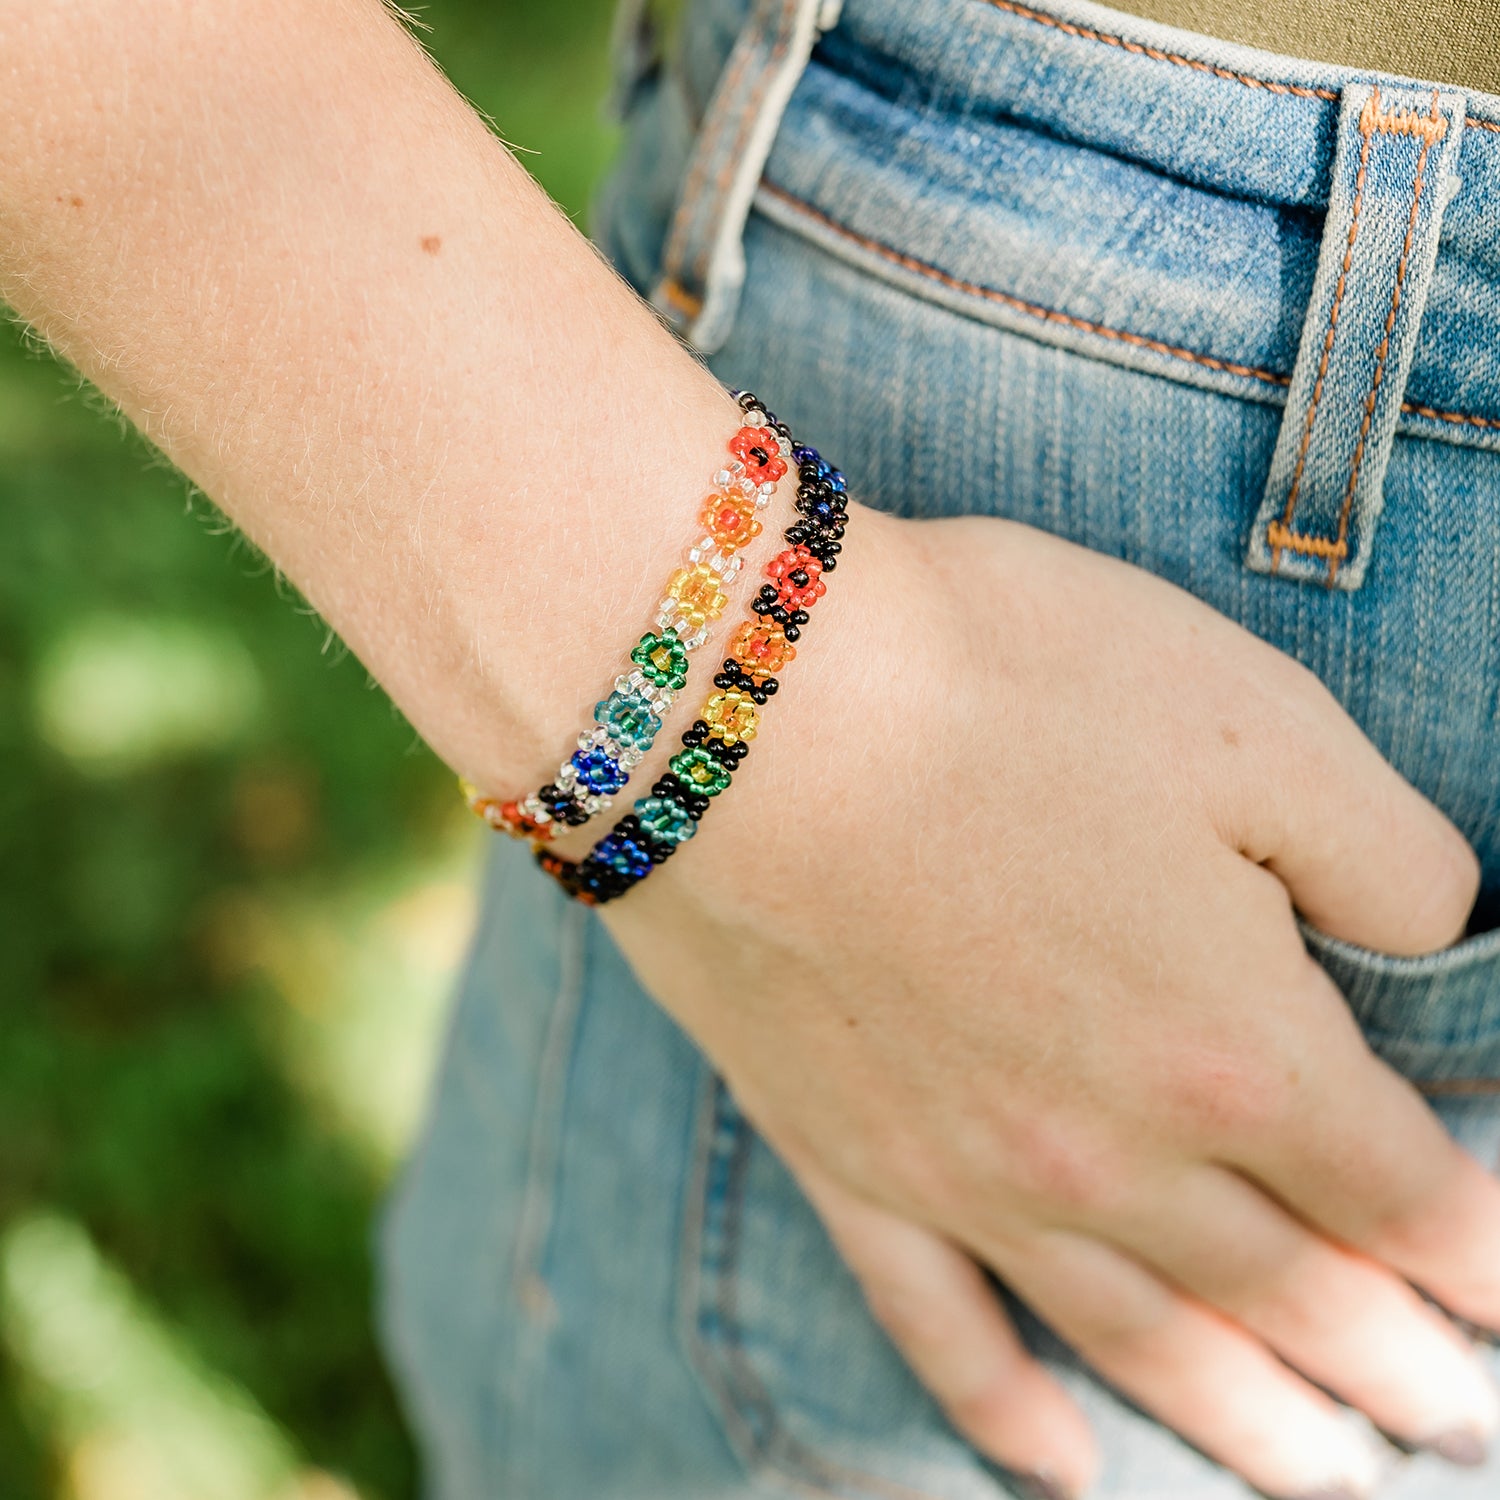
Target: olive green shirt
[{"x": 1441, "y": 41}]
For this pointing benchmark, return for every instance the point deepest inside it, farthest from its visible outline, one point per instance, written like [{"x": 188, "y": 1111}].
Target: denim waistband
[
  {"x": 1236, "y": 119},
  {"x": 905, "y": 100}
]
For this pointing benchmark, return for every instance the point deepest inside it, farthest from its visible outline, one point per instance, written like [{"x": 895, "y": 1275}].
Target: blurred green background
[{"x": 234, "y": 889}]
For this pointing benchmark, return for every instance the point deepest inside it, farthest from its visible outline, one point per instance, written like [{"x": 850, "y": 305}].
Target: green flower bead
[
  {"x": 662, "y": 659},
  {"x": 698, "y": 769}
]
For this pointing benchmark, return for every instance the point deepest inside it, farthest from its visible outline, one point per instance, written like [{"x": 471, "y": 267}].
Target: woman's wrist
[{"x": 301, "y": 264}]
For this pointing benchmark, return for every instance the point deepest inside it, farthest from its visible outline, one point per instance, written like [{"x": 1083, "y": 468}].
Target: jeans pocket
[
  {"x": 809, "y": 1391},
  {"x": 1435, "y": 1018}
]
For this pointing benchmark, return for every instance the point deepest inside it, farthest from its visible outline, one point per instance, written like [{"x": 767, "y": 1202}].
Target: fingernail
[
  {"x": 1461, "y": 1447},
  {"x": 1040, "y": 1484}
]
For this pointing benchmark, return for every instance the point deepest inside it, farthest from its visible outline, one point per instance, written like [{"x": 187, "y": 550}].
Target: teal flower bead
[
  {"x": 663, "y": 659},
  {"x": 699, "y": 770},
  {"x": 628, "y": 718},
  {"x": 663, "y": 819}
]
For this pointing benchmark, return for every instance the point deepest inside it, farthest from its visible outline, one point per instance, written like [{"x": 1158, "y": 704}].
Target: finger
[
  {"x": 1364, "y": 855},
  {"x": 1210, "y": 1381},
  {"x": 1346, "y": 1322},
  {"x": 1358, "y": 1154},
  {"x": 946, "y": 1320}
]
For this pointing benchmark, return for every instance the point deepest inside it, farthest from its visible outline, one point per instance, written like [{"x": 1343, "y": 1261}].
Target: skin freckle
[
  {"x": 1230, "y": 735},
  {"x": 432, "y": 243}
]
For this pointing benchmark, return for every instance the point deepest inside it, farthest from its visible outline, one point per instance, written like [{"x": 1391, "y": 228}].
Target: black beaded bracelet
[{"x": 716, "y": 743}]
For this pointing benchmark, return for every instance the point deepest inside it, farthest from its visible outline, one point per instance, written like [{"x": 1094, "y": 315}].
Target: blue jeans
[{"x": 1231, "y": 316}]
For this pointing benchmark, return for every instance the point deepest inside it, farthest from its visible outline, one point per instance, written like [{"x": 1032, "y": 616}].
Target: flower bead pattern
[
  {"x": 697, "y": 593},
  {"x": 599, "y": 771},
  {"x": 663, "y": 660},
  {"x": 731, "y": 521},
  {"x": 697, "y": 769},
  {"x": 761, "y": 648},
  {"x": 628, "y": 718},
  {"x": 665, "y": 820},
  {"x": 731, "y": 716},
  {"x": 758, "y": 451},
  {"x": 621, "y": 852},
  {"x": 798, "y": 576}
]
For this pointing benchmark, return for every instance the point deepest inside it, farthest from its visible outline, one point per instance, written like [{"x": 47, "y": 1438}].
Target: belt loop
[
  {"x": 1393, "y": 158},
  {"x": 703, "y": 266}
]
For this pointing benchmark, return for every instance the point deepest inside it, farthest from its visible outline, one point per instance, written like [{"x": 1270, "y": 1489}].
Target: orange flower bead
[
  {"x": 697, "y": 592},
  {"x": 731, "y": 520},
  {"x": 731, "y": 716},
  {"x": 761, "y": 648}
]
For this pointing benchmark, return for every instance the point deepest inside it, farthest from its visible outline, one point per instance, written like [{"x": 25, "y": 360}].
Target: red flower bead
[
  {"x": 798, "y": 577},
  {"x": 756, "y": 448}
]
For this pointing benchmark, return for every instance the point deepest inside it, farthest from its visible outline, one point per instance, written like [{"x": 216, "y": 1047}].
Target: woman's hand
[{"x": 993, "y": 939}]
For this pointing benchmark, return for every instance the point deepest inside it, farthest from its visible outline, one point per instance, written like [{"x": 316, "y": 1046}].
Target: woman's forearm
[{"x": 277, "y": 237}]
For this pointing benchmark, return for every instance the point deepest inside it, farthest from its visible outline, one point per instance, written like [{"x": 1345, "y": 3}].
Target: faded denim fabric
[{"x": 1067, "y": 266}]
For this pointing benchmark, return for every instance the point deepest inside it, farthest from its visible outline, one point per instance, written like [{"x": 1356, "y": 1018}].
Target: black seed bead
[
  {"x": 573, "y": 815},
  {"x": 791, "y": 632},
  {"x": 747, "y": 401},
  {"x": 767, "y": 591},
  {"x": 799, "y": 578},
  {"x": 800, "y": 617},
  {"x": 669, "y": 788},
  {"x": 829, "y": 563},
  {"x": 739, "y": 750},
  {"x": 769, "y": 687}
]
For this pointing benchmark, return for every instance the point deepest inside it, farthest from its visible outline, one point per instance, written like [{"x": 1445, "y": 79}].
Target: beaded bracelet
[
  {"x": 626, "y": 722},
  {"x": 718, "y": 740}
]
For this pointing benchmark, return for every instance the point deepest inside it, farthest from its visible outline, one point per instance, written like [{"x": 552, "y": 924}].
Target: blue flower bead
[
  {"x": 621, "y": 852},
  {"x": 598, "y": 771}
]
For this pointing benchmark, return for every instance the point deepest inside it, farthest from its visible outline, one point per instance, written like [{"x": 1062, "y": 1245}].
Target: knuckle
[
  {"x": 1064, "y": 1167},
  {"x": 1231, "y": 1093}
]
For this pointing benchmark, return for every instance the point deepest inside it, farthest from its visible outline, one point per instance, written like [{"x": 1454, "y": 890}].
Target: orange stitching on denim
[
  {"x": 1088, "y": 34},
  {"x": 678, "y": 295},
  {"x": 992, "y": 294},
  {"x": 1449, "y": 416},
  {"x": 1401, "y": 121},
  {"x": 1459, "y": 1086},
  {"x": 1280, "y": 536},
  {"x": 749, "y": 113},
  {"x": 1431, "y": 128},
  {"x": 1365, "y": 128},
  {"x": 1051, "y": 315}
]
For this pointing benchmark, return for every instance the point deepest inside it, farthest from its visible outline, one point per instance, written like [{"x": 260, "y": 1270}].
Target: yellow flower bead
[
  {"x": 730, "y": 521},
  {"x": 732, "y": 715},
  {"x": 697, "y": 592}
]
